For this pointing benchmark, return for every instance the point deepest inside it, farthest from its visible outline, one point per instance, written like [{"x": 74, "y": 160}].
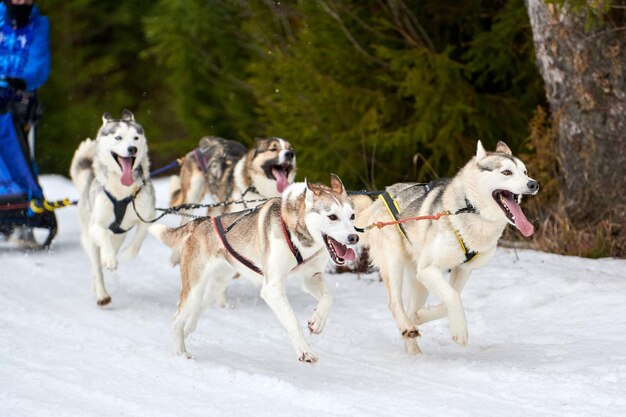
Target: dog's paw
[
  {"x": 317, "y": 323},
  {"x": 129, "y": 253},
  {"x": 308, "y": 357},
  {"x": 102, "y": 301},
  {"x": 458, "y": 330},
  {"x": 411, "y": 347},
  {"x": 184, "y": 354}
]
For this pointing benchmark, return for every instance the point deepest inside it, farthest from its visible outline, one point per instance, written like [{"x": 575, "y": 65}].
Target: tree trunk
[{"x": 584, "y": 73}]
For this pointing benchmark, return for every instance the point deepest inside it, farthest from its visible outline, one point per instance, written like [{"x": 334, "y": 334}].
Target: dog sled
[{"x": 22, "y": 203}]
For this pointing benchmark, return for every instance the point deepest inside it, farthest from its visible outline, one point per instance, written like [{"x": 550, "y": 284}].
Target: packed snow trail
[{"x": 547, "y": 337}]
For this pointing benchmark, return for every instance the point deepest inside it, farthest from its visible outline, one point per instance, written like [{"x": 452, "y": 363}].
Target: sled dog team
[{"x": 298, "y": 228}]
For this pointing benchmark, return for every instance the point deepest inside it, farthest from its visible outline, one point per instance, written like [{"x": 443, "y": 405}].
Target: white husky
[
  {"x": 111, "y": 172},
  {"x": 482, "y": 199},
  {"x": 290, "y": 236}
]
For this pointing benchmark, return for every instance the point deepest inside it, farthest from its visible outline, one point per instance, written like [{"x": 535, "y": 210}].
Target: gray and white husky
[
  {"x": 110, "y": 172},
  {"x": 294, "y": 235},
  {"x": 483, "y": 198},
  {"x": 226, "y": 170}
]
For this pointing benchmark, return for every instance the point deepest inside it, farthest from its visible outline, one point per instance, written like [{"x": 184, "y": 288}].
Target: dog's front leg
[
  {"x": 132, "y": 249},
  {"x": 458, "y": 278},
  {"x": 273, "y": 292},
  {"x": 416, "y": 295},
  {"x": 103, "y": 238},
  {"x": 432, "y": 278},
  {"x": 392, "y": 272},
  {"x": 316, "y": 286}
]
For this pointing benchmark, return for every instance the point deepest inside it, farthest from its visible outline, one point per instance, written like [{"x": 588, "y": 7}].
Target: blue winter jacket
[{"x": 24, "y": 53}]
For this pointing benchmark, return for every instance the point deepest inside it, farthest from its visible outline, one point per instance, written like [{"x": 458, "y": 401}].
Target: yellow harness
[{"x": 394, "y": 211}]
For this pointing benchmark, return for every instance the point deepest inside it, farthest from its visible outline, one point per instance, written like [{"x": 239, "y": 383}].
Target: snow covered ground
[{"x": 547, "y": 337}]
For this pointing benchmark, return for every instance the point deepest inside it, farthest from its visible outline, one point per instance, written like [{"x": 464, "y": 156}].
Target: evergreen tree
[{"x": 95, "y": 69}]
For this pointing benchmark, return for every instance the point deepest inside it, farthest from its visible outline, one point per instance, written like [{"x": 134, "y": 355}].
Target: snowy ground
[{"x": 547, "y": 337}]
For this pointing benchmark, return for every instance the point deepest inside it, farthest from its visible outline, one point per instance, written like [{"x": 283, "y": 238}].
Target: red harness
[{"x": 221, "y": 232}]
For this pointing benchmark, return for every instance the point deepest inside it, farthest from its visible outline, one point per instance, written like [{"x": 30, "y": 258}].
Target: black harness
[
  {"x": 119, "y": 209},
  {"x": 221, "y": 232}
]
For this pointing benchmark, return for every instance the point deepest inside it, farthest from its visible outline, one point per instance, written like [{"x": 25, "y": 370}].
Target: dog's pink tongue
[
  {"x": 349, "y": 255},
  {"x": 281, "y": 179},
  {"x": 521, "y": 222},
  {"x": 127, "y": 170},
  {"x": 343, "y": 251}
]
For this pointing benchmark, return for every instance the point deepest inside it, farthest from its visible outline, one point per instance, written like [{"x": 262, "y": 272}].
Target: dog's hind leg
[
  {"x": 216, "y": 281},
  {"x": 190, "y": 300},
  {"x": 393, "y": 273},
  {"x": 316, "y": 286},
  {"x": 458, "y": 278},
  {"x": 273, "y": 292},
  {"x": 189, "y": 304},
  {"x": 196, "y": 192},
  {"x": 432, "y": 278},
  {"x": 194, "y": 195}
]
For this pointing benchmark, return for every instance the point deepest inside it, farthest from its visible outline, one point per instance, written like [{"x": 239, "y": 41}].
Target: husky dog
[
  {"x": 227, "y": 171},
  {"x": 110, "y": 173},
  {"x": 481, "y": 199},
  {"x": 294, "y": 235}
]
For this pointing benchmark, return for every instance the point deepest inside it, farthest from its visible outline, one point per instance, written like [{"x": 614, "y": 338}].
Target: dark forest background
[{"x": 377, "y": 91}]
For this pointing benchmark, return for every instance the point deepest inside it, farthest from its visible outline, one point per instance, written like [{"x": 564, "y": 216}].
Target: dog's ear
[
  {"x": 128, "y": 116},
  {"x": 106, "y": 118},
  {"x": 336, "y": 185},
  {"x": 260, "y": 142},
  {"x": 480, "y": 151},
  {"x": 503, "y": 148},
  {"x": 312, "y": 188}
]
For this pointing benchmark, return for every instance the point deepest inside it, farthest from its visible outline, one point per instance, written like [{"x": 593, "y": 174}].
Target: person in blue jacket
[
  {"x": 24, "y": 68},
  {"x": 24, "y": 50}
]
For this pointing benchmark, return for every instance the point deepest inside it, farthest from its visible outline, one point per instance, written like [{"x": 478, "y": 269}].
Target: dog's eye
[
  {"x": 333, "y": 217},
  {"x": 136, "y": 138},
  {"x": 352, "y": 217},
  {"x": 507, "y": 173},
  {"x": 273, "y": 149},
  {"x": 118, "y": 138}
]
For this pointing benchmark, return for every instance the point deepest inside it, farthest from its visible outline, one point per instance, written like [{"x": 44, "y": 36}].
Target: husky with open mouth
[
  {"x": 480, "y": 201},
  {"x": 227, "y": 171},
  {"x": 294, "y": 235},
  {"x": 110, "y": 173}
]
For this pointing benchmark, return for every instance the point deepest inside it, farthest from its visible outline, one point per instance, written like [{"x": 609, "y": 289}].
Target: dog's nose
[
  {"x": 353, "y": 239},
  {"x": 289, "y": 155},
  {"x": 132, "y": 150},
  {"x": 533, "y": 186}
]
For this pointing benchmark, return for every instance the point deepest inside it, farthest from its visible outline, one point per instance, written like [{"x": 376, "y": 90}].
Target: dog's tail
[
  {"x": 362, "y": 207},
  {"x": 176, "y": 192},
  {"x": 174, "y": 237},
  {"x": 81, "y": 167}
]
